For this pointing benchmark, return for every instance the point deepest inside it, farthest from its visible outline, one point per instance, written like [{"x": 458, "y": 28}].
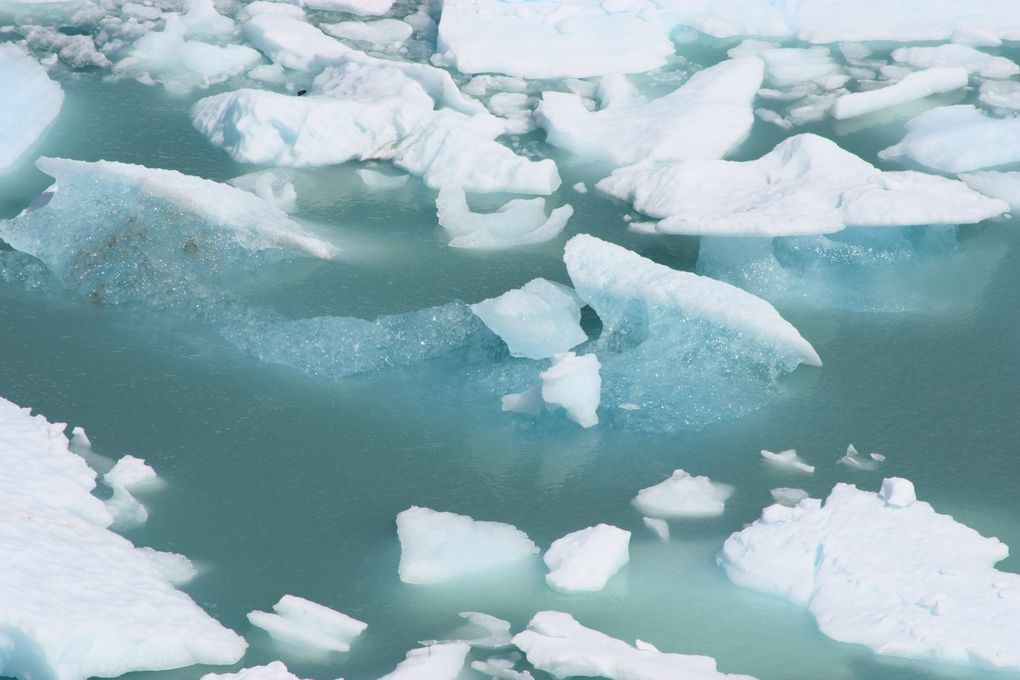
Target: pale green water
[{"x": 281, "y": 484}]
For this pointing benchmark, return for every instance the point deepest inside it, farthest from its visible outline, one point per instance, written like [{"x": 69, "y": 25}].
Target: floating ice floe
[
  {"x": 788, "y": 67},
  {"x": 788, "y": 459},
  {"x": 886, "y": 571},
  {"x": 1004, "y": 186},
  {"x": 272, "y": 671},
  {"x": 704, "y": 118},
  {"x": 359, "y": 7},
  {"x": 149, "y": 234},
  {"x": 806, "y": 185},
  {"x": 854, "y": 459},
  {"x": 958, "y": 139},
  {"x": 499, "y": 668},
  {"x": 441, "y": 546},
  {"x": 583, "y": 561},
  {"x": 308, "y": 625},
  {"x": 133, "y": 474},
  {"x": 913, "y": 86},
  {"x": 77, "y": 51},
  {"x": 658, "y": 526},
  {"x": 1002, "y": 95},
  {"x": 976, "y": 62},
  {"x": 519, "y": 222},
  {"x": 573, "y": 383},
  {"x": 557, "y": 644},
  {"x": 537, "y": 320},
  {"x": 683, "y": 495},
  {"x": 483, "y": 631},
  {"x": 442, "y": 661},
  {"x": 380, "y": 181},
  {"x": 79, "y": 600},
  {"x": 385, "y": 34},
  {"x": 787, "y": 496},
  {"x": 31, "y": 102}
]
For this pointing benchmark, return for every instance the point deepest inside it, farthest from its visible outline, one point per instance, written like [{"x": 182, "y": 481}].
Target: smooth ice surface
[
  {"x": 957, "y": 139},
  {"x": 442, "y": 661},
  {"x": 385, "y": 34},
  {"x": 440, "y": 546},
  {"x": 574, "y": 383},
  {"x": 132, "y": 473},
  {"x": 806, "y": 185},
  {"x": 309, "y": 625},
  {"x": 917, "y": 85},
  {"x": 148, "y": 234},
  {"x": 787, "y": 459},
  {"x": 583, "y": 561},
  {"x": 557, "y": 644},
  {"x": 1004, "y": 186},
  {"x": 271, "y": 671},
  {"x": 79, "y": 600},
  {"x": 537, "y": 320},
  {"x": 704, "y": 118},
  {"x": 1002, "y": 95},
  {"x": 787, "y": 67},
  {"x": 683, "y": 495},
  {"x": 519, "y": 222},
  {"x": 886, "y": 571},
  {"x": 31, "y": 102},
  {"x": 976, "y": 62}
]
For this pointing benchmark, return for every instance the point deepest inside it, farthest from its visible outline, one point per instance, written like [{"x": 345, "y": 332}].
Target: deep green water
[{"x": 278, "y": 483}]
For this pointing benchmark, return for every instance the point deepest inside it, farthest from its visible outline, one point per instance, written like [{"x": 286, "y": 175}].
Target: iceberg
[
  {"x": 683, "y": 495},
  {"x": 977, "y": 63},
  {"x": 1004, "y": 186},
  {"x": 583, "y": 561},
  {"x": 537, "y": 320},
  {"x": 806, "y": 185},
  {"x": 132, "y": 474},
  {"x": 957, "y": 139},
  {"x": 886, "y": 571},
  {"x": 443, "y": 546},
  {"x": 308, "y": 625},
  {"x": 271, "y": 671},
  {"x": 31, "y": 103},
  {"x": 518, "y": 222},
  {"x": 79, "y": 600},
  {"x": 704, "y": 118},
  {"x": 442, "y": 661},
  {"x": 146, "y": 234},
  {"x": 557, "y": 644},
  {"x": 913, "y": 86}
]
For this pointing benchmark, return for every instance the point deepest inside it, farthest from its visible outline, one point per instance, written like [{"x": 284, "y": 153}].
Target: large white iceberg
[
  {"x": 79, "y": 600},
  {"x": 806, "y": 185},
  {"x": 704, "y": 118},
  {"x": 585, "y": 560},
  {"x": 519, "y": 222},
  {"x": 146, "y": 233},
  {"x": 441, "y": 546},
  {"x": 958, "y": 139},
  {"x": 31, "y": 102},
  {"x": 683, "y": 495},
  {"x": 537, "y": 320},
  {"x": 886, "y": 571},
  {"x": 557, "y": 644},
  {"x": 913, "y": 86}
]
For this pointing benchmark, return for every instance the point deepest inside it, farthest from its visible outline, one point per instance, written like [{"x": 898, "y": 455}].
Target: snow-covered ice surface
[
  {"x": 585, "y": 560},
  {"x": 886, "y": 571},
  {"x": 31, "y": 102},
  {"x": 80, "y": 600},
  {"x": 976, "y": 62},
  {"x": 958, "y": 139},
  {"x": 1004, "y": 186},
  {"x": 684, "y": 495}
]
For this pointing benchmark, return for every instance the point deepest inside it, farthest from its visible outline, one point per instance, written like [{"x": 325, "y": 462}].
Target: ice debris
[
  {"x": 585, "y": 560},
  {"x": 683, "y": 495},
  {"x": 31, "y": 102},
  {"x": 854, "y": 459},
  {"x": 788, "y": 459},
  {"x": 537, "y": 320},
  {"x": 499, "y": 668},
  {"x": 958, "y": 139},
  {"x": 787, "y": 496},
  {"x": 976, "y": 62},
  {"x": 886, "y": 571},
  {"x": 442, "y": 661},
  {"x": 441, "y": 546},
  {"x": 274, "y": 186},
  {"x": 483, "y": 631},
  {"x": 309, "y": 625},
  {"x": 274, "y": 670},
  {"x": 658, "y": 526},
  {"x": 519, "y": 222},
  {"x": 913, "y": 86}
]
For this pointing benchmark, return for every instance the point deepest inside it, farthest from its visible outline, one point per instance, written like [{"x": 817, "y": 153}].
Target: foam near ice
[
  {"x": 537, "y": 320},
  {"x": 913, "y": 86},
  {"x": 683, "y": 495},
  {"x": 274, "y": 670},
  {"x": 518, "y": 222},
  {"x": 442, "y": 661},
  {"x": 787, "y": 459},
  {"x": 806, "y": 185},
  {"x": 976, "y": 62},
  {"x": 1004, "y": 186},
  {"x": 442, "y": 546},
  {"x": 885, "y": 571},
  {"x": 149, "y": 234},
  {"x": 583, "y": 561},
  {"x": 79, "y": 600},
  {"x": 31, "y": 102},
  {"x": 704, "y": 118},
  {"x": 309, "y": 625},
  {"x": 557, "y": 644},
  {"x": 958, "y": 139}
]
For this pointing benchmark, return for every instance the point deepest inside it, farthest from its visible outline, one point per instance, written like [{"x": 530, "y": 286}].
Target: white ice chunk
[
  {"x": 1000, "y": 94},
  {"x": 1002, "y": 185},
  {"x": 308, "y": 624},
  {"x": 537, "y": 320},
  {"x": 133, "y": 474},
  {"x": 175, "y": 568},
  {"x": 518, "y": 222},
  {"x": 789, "y": 66},
  {"x": 271, "y": 671},
  {"x": 896, "y": 577},
  {"x": 359, "y": 7},
  {"x": 788, "y": 459},
  {"x": 573, "y": 383},
  {"x": 484, "y": 631},
  {"x": 441, "y": 546},
  {"x": 529, "y": 401},
  {"x": 659, "y": 526},
  {"x": 31, "y": 102},
  {"x": 442, "y": 661},
  {"x": 877, "y": 456},
  {"x": 500, "y": 669},
  {"x": 127, "y": 511},
  {"x": 683, "y": 495},
  {"x": 380, "y": 181},
  {"x": 704, "y": 118},
  {"x": 958, "y": 139},
  {"x": 384, "y": 34},
  {"x": 805, "y": 185},
  {"x": 77, "y": 51},
  {"x": 583, "y": 561},
  {"x": 79, "y": 600},
  {"x": 557, "y": 644},
  {"x": 914, "y": 86},
  {"x": 976, "y": 62},
  {"x": 274, "y": 186},
  {"x": 787, "y": 496}
]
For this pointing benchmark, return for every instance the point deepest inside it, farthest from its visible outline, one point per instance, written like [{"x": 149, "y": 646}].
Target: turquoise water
[{"x": 280, "y": 483}]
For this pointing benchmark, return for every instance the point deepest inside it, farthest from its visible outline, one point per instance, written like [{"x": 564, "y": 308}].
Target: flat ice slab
[
  {"x": 886, "y": 571},
  {"x": 585, "y": 560},
  {"x": 31, "y": 102},
  {"x": 958, "y": 139},
  {"x": 557, "y": 644},
  {"x": 442, "y": 546},
  {"x": 914, "y": 86},
  {"x": 303, "y": 623},
  {"x": 684, "y": 495},
  {"x": 537, "y": 320}
]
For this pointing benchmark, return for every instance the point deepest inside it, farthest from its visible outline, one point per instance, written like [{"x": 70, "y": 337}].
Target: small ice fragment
[
  {"x": 877, "y": 456},
  {"x": 538, "y": 320},
  {"x": 787, "y": 458},
  {"x": 529, "y": 401},
  {"x": 897, "y": 492},
  {"x": 580, "y": 188},
  {"x": 126, "y": 510},
  {"x": 376, "y": 180},
  {"x": 628, "y": 406},
  {"x": 646, "y": 646},
  {"x": 307, "y": 624},
  {"x": 484, "y": 631},
  {"x": 787, "y": 496},
  {"x": 853, "y": 459},
  {"x": 573, "y": 382},
  {"x": 521, "y": 221},
  {"x": 659, "y": 526},
  {"x": 683, "y": 495},
  {"x": 585, "y": 560},
  {"x": 500, "y": 669},
  {"x": 133, "y": 474}
]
